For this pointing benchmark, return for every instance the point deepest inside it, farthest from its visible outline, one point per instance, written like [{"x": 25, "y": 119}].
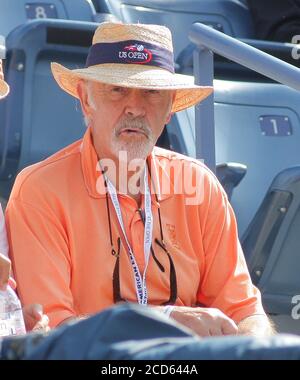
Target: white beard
[{"x": 137, "y": 146}]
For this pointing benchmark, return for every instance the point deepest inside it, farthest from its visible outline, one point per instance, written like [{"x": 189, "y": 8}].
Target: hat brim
[
  {"x": 134, "y": 76},
  {"x": 4, "y": 89}
]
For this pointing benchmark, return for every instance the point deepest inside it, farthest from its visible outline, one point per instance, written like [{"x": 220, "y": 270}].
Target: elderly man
[
  {"x": 111, "y": 218},
  {"x": 33, "y": 314}
]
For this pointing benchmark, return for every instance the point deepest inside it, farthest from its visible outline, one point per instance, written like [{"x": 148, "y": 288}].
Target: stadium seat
[
  {"x": 101, "y": 6},
  {"x": 225, "y": 69},
  {"x": 14, "y": 13},
  {"x": 38, "y": 118},
  {"x": 256, "y": 124},
  {"x": 230, "y": 175},
  {"x": 230, "y": 16},
  {"x": 102, "y": 12},
  {"x": 271, "y": 243}
]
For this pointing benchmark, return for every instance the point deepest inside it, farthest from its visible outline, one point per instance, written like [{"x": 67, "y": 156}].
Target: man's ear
[
  {"x": 82, "y": 92},
  {"x": 171, "y": 114},
  {"x": 169, "y": 118}
]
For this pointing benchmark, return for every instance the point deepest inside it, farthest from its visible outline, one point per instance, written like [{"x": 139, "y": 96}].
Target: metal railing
[{"x": 209, "y": 41}]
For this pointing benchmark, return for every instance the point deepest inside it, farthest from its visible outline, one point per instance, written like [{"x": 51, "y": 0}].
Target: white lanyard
[{"x": 140, "y": 282}]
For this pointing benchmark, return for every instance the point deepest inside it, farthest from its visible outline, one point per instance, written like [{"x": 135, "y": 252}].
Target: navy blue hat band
[{"x": 131, "y": 52}]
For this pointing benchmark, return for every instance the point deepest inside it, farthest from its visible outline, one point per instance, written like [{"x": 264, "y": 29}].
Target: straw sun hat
[
  {"x": 4, "y": 89},
  {"x": 136, "y": 56}
]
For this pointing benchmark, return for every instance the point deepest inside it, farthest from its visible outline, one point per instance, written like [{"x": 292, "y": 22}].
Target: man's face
[{"x": 124, "y": 119}]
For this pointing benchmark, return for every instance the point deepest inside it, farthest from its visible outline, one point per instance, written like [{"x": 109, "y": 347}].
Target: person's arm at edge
[
  {"x": 15, "y": 225},
  {"x": 256, "y": 325}
]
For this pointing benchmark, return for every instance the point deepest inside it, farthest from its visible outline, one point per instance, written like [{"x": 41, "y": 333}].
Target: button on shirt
[{"x": 59, "y": 238}]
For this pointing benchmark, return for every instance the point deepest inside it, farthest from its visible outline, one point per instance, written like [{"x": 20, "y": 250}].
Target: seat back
[
  {"x": 258, "y": 125},
  {"x": 230, "y": 16},
  {"x": 38, "y": 118},
  {"x": 230, "y": 175},
  {"x": 14, "y": 13},
  {"x": 272, "y": 245},
  {"x": 101, "y": 6}
]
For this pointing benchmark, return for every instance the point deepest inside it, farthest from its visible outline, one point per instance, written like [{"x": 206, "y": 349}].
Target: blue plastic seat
[
  {"x": 230, "y": 16},
  {"x": 272, "y": 245},
  {"x": 38, "y": 118},
  {"x": 14, "y": 13},
  {"x": 258, "y": 125}
]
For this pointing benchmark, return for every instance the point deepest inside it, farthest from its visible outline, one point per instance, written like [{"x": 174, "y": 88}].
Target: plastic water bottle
[{"x": 11, "y": 316}]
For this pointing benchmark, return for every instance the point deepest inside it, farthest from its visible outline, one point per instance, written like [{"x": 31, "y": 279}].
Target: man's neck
[
  {"x": 129, "y": 182},
  {"x": 127, "y": 175}
]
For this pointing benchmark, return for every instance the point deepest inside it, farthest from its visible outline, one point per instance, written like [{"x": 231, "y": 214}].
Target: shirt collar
[
  {"x": 94, "y": 180},
  {"x": 161, "y": 182}
]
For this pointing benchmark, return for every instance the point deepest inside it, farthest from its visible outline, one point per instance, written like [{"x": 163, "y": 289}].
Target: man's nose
[{"x": 135, "y": 104}]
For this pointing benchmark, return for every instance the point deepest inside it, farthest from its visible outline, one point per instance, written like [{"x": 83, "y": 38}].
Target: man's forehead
[{"x": 100, "y": 85}]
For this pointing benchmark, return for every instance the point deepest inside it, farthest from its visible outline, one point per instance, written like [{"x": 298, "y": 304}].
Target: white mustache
[{"x": 135, "y": 124}]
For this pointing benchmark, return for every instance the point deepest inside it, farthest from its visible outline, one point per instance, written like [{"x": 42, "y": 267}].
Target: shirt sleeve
[
  {"x": 40, "y": 257},
  {"x": 226, "y": 283}
]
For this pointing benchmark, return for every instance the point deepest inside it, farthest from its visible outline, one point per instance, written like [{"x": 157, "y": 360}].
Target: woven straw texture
[
  {"x": 133, "y": 75},
  {"x": 4, "y": 89}
]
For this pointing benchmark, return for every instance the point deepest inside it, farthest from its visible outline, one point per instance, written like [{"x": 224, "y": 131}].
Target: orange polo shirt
[{"x": 60, "y": 247}]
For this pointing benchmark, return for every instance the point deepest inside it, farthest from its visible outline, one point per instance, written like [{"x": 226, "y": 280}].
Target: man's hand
[
  {"x": 35, "y": 319},
  {"x": 204, "y": 321}
]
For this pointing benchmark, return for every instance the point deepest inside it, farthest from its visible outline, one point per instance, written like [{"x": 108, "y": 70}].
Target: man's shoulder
[
  {"x": 188, "y": 175},
  {"x": 163, "y": 155},
  {"x": 50, "y": 170}
]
